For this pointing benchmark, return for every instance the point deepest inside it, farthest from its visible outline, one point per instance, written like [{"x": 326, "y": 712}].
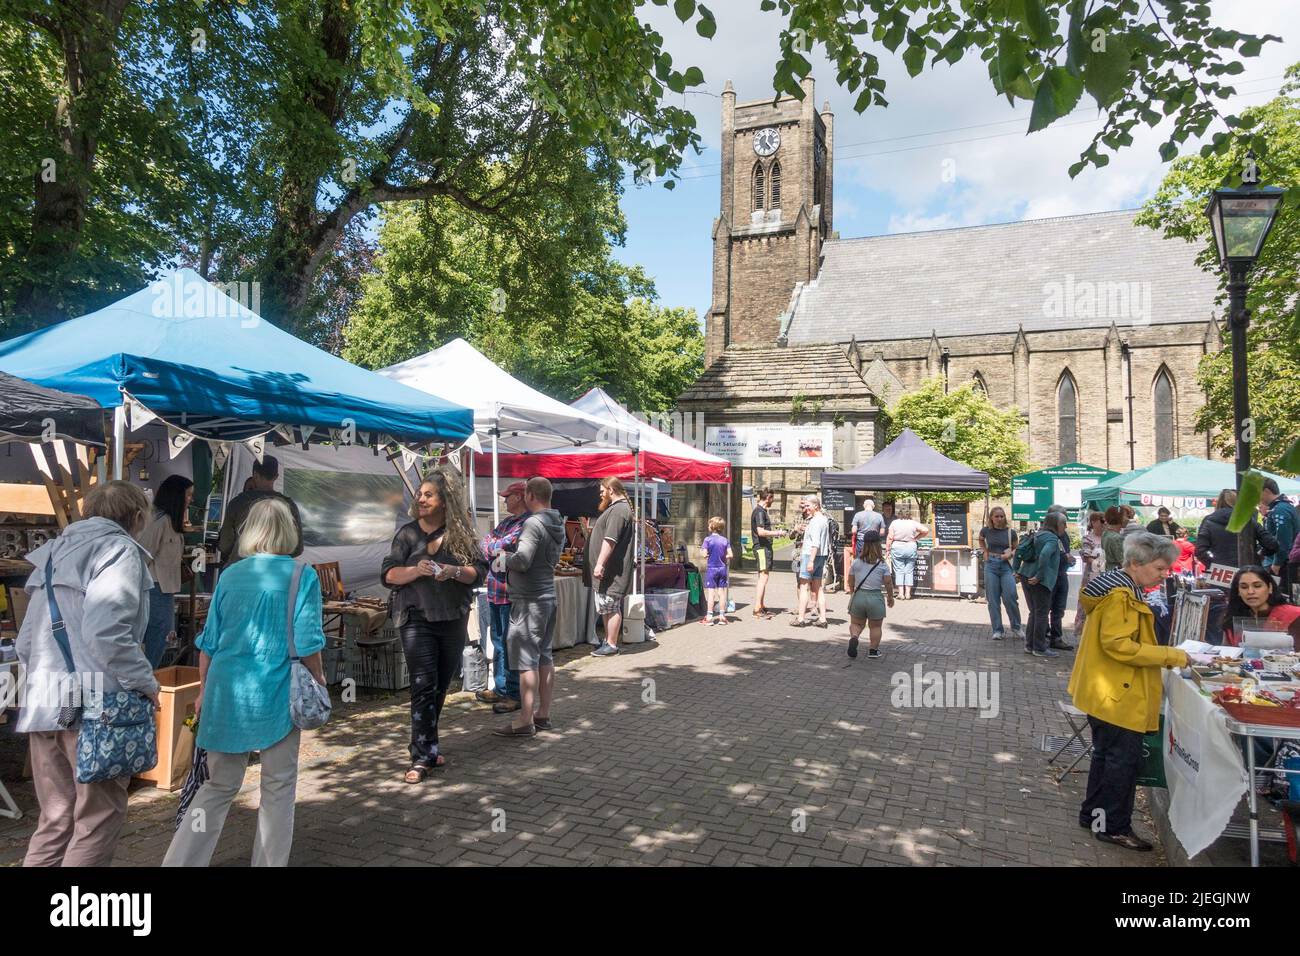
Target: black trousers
[
  {"x": 1039, "y": 599},
  {"x": 433, "y": 651},
  {"x": 1112, "y": 778},
  {"x": 1060, "y": 598}
]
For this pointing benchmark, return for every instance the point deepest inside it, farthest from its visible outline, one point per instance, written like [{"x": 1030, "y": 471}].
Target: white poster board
[{"x": 773, "y": 446}]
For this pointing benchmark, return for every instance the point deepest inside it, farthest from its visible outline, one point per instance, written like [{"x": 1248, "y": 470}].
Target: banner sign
[
  {"x": 773, "y": 446},
  {"x": 1221, "y": 575}
]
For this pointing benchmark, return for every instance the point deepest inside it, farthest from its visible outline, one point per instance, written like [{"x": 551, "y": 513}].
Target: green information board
[{"x": 1033, "y": 493}]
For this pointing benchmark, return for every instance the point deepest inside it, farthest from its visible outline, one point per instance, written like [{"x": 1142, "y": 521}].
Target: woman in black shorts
[{"x": 871, "y": 587}]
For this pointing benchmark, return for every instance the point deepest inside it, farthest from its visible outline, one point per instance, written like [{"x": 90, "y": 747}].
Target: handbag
[
  {"x": 473, "y": 669},
  {"x": 118, "y": 736},
  {"x": 309, "y": 700}
]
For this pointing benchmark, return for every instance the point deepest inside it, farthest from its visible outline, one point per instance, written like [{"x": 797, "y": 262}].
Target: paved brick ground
[{"x": 750, "y": 729}]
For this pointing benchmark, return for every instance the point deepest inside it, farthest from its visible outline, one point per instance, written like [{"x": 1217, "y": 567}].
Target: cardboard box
[{"x": 178, "y": 693}]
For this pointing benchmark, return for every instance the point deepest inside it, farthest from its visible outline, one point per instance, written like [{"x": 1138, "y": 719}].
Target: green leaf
[
  {"x": 1247, "y": 501},
  {"x": 1291, "y": 460},
  {"x": 1039, "y": 24},
  {"x": 894, "y": 35},
  {"x": 861, "y": 27},
  {"x": 1058, "y": 92},
  {"x": 1011, "y": 60},
  {"x": 914, "y": 59},
  {"x": 706, "y": 26},
  {"x": 694, "y": 76},
  {"x": 677, "y": 83},
  {"x": 1168, "y": 151},
  {"x": 1106, "y": 73},
  {"x": 684, "y": 9},
  {"x": 862, "y": 101},
  {"x": 1076, "y": 50},
  {"x": 1250, "y": 47}
]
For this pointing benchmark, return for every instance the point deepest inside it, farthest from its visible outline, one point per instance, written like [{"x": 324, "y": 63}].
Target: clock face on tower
[{"x": 766, "y": 141}]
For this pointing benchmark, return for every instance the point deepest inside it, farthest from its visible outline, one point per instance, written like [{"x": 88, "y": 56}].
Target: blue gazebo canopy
[{"x": 197, "y": 358}]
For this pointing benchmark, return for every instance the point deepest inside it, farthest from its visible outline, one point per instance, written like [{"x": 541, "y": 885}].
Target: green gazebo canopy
[{"x": 1186, "y": 477}]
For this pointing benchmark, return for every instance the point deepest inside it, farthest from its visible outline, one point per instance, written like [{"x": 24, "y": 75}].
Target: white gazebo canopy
[{"x": 521, "y": 418}]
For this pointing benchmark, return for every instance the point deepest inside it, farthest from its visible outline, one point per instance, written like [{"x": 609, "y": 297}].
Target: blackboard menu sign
[
  {"x": 923, "y": 580},
  {"x": 951, "y": 528},
  {"x": 837, "y": 499}
]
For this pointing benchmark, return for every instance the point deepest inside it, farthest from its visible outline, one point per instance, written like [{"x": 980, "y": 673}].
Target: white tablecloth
[
  {"x": 1204, "y": 768},
  {"x": 572, "y": 606}
]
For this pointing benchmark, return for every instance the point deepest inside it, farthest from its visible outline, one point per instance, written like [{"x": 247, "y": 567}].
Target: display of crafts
[{"x": 567, "y": 564}]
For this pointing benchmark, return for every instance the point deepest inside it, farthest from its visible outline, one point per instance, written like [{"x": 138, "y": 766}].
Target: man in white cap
[{"x": 815, "y": 553}]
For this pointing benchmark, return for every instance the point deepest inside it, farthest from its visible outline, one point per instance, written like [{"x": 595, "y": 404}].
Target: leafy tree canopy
[
  {"x": 1273, "y": 359},
  {"x": 255, "y": 137},
  {"x": 542, "y": 297},
  {"x": 966, "y": 427}
]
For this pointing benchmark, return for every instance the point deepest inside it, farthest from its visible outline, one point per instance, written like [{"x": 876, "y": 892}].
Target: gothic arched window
[
  {"x": 758, "y": 187},
  {"x": 775, "y": 187},
  {"x": 977, "y": 380},
  {"x": 1067, "y": 419},
  {"x": 1162, "y": 395}
]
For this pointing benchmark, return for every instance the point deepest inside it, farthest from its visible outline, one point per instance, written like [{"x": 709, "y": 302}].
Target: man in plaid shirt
[{"x": 504, "y": 694}]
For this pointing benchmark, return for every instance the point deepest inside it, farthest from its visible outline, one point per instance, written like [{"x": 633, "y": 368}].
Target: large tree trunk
[
  {"x": 290, "y": 268},
  {"x": 87, "y": 33}
]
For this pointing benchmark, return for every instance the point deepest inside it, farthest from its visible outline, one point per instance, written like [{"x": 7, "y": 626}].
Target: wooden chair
[{"x": 331, "y": 581}]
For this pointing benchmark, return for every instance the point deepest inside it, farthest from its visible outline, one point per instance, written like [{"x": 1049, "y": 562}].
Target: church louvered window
[
  {"x": 1067, "y": 415},
  {"x": 1163, "y": 396},
  {"x": 775, "y": 187},
  {"x": 759, "y": 194}
]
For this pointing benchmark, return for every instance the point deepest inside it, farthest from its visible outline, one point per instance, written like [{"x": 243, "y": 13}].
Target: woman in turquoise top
[{"x": 244, "y": 696}]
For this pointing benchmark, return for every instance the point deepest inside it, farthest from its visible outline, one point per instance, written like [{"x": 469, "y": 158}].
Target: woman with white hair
[
  {"x": 244, "y": 694},
  {"x": 1117, "y": 682},
  {"x": 95, "y": 578}
]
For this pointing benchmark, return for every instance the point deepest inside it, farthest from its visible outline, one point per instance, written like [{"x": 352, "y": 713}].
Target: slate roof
[
  {"x": 984, "y": 280},
  {"x": 770, "y": 372}
]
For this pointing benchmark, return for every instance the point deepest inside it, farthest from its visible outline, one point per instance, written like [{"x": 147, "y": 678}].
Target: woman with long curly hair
[{"x": 433, "y": 567}]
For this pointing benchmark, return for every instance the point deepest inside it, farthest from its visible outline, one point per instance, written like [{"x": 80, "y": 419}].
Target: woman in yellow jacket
[{"x": 1117, "y": 682}]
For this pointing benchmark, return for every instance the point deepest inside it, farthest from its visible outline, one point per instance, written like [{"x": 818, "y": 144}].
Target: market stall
[
  {"x": 1187, "y": 486},
  {"x": 946, "y": 564},
  {"x": 184, "y": 353}
]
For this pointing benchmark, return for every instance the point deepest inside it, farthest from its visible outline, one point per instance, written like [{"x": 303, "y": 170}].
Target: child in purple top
[{"x": 717, "y": 554}]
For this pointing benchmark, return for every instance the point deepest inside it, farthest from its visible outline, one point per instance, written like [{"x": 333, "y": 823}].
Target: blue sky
[{"x": 890, "y": 163}]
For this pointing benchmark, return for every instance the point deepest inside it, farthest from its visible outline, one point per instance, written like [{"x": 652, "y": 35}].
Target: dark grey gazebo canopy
[
  {"x": 26, "y": 409},
  {"x": 908, "y": 464}
]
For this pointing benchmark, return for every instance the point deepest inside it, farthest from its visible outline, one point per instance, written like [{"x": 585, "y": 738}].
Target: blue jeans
[
  {"x": 1000, "y": 588},
  {"x": 904, "y": 562},
  {"x": 162, "y": 621},
  {"x": 505, "y": 681}
]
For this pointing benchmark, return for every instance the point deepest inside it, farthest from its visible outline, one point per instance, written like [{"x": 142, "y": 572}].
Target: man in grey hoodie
[{"x": 531, "y": 569}]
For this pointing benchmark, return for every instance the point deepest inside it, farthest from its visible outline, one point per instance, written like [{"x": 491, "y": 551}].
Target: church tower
[{"x": 775, "y": 214}]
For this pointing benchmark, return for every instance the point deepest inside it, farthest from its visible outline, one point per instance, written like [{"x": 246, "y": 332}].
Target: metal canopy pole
[
  {"x": 119, "y": 440},
  {"x": 496, "y": 480},
  {"x": 639, "y": 517}
]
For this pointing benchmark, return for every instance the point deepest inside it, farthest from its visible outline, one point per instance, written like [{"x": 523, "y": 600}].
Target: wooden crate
[{"x": 177, "y": 695}]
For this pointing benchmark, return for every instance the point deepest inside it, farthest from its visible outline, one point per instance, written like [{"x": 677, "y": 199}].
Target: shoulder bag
[
  {"x": 118, "y": 736},
  {"x": 309, "y": 700}
]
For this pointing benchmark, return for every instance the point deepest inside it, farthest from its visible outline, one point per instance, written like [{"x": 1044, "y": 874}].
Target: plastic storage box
[{"x": 666, "y": 608}]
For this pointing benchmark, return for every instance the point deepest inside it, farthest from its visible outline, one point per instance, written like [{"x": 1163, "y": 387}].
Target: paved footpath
[{"x": 755, "y": 743}]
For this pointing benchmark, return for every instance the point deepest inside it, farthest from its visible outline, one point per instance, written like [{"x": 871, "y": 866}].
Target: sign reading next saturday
[{"x": 772, "y": 446}]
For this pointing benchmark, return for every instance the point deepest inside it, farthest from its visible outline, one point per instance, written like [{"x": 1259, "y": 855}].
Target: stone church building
[{"x": 1089, "y": 325}]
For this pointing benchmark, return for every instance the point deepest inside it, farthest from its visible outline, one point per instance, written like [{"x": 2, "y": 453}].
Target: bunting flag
[
  {"x": 409, "y": 458},
  {"x": 306, "y": 431},
  {"x": 285, "y": 432},
  {"x": 139, "y": 416},
  {"x": 257, "y": 446},
  {"x": 177, "y": 441},
  {"x": 220, "y": 454},
  {"x": 473, "y": 443}
]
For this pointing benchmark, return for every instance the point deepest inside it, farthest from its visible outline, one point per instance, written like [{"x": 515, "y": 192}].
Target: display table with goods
[{"x": 1215, "y": 711}]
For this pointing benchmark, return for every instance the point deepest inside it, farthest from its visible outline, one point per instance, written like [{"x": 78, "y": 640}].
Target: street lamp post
[{"x": 1241, "y": 220}]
